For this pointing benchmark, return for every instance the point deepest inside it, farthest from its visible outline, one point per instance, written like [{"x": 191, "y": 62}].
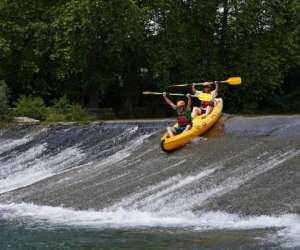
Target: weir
[{"x": 243, "y": 174}]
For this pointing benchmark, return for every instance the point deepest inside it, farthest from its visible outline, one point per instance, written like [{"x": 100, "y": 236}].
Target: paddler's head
[
  {"x": 180, "y": 104},
  {"x": 206, "y": 88}
]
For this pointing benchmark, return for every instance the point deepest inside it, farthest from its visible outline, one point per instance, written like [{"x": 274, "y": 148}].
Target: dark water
[
  {"x": 109, "y": 186},
  {"x": 57, "y": 238}
]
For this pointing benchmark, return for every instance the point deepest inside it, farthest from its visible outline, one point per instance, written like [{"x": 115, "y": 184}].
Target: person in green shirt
[{"x": 184, "y": 116}]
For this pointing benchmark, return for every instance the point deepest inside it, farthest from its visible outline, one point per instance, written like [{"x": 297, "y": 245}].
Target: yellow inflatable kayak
[{"x": 200, "y": 126}]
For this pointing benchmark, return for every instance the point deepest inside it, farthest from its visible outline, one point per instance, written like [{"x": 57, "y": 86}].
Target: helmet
[{"x": 180, "y": 103}]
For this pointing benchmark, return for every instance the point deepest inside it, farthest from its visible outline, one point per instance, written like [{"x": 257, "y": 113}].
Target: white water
[
  {"x": 6, "y": 145},
  {"x": 9, "y": 144},
  {"x": 288, "y": 229},
  {"x": 161, "y": 190},
  {"x": 129, "y": 148},
  {"x": 161, "y": 205},
  {"x": 35, "y": 169},
  {"x": 21, "y": 160},
  {"x": 166, "y": 196},
  {"x": 31, "y": 166}
]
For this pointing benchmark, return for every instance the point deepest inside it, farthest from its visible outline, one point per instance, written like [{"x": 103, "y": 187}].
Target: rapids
[{"x": 243, "y": 175}]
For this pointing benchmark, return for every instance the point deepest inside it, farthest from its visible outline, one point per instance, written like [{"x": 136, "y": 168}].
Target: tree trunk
[{"x": 224, "y": 24}]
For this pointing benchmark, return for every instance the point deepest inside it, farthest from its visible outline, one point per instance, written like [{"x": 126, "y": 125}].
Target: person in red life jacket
[
  {"x": 206, "y": 106},
  {"x": 184, "y": 117}
]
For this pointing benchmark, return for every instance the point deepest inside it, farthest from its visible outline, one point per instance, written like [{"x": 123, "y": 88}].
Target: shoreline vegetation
[
  {"x": 63, "y": 110},
  {"x": 33, "y": 111},
  {"x": 103, "y": 54}
]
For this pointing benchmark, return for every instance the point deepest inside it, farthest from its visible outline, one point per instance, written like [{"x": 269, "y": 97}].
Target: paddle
[
  {"x": 203, "y": 97},
  {"x": 232, "y": 81}
]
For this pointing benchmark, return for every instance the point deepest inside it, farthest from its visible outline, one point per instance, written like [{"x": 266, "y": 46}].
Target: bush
[
  {"x": 33, "y": 107},
  {"x": 63, "y": 110},
  {"x": 4, "y": 111},
  {"x": 62, "y": 106},
  {"x": 55, "y": 117},
  {"x": 78, "y": 113}
]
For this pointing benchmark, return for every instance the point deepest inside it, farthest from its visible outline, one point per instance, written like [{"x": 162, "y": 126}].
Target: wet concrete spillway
[{"x": 243, "y": 174}]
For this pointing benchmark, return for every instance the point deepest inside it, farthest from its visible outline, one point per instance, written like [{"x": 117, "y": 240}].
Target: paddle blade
[
  {"x": 234, "y": 80},
  {"x": 205, "y": 97}
]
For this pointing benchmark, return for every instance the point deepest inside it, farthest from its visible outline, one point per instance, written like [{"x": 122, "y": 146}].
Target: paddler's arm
[
  {"x": 189, "y": 104},
  {"x": 195, "y": 91},
  {"x": 173, "y": 106},
  {"x": 217, "y": 89},
  {"x": 194, "y": 88}
]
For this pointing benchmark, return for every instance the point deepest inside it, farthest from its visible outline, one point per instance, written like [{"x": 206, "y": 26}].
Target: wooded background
[{"x": 104, "y": 53}]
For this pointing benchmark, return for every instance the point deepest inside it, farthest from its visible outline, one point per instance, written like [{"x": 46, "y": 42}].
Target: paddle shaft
[
  {"x": 175, "y": 94},
  {"x": 231, "y": 81},
  {"x": 169, "y": 94},
  {"x": 206, "y": 83},
  {"x": 201, "y": 97},
  {"x": 195, "y": 83}
]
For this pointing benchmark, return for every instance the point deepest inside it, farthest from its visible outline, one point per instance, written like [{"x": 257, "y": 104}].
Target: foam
[
  {"x": 287, "y": 226},
  {"x": 31, "y": 167},
  {"x": 173, "y": 202},
  {"x": 168, "y": 203},
  {"x": 179, "y": 182},
  {"x": 9, "y": 144},
  {"x": 21, "y": 161},
  {"x": 38, "y": 169},
  {"x": 122, "y": 154}
]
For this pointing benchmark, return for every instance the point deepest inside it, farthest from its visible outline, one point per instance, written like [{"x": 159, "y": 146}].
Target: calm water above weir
[{"x": 109, "y": 186}]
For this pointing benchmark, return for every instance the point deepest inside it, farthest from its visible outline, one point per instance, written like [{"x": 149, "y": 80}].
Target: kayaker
[
  {"x": 206, "y": 106},
  {"x": 184, "y": 118}
]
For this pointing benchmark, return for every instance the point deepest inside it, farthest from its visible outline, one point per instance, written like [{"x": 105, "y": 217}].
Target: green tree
[
  {"x": 24, "y": 25},
  {"x": 94, "y": 40},
  {"x": 258, "y": 47},
  {"x": 104, "y": 53},
  {"x": 4, "y": 112},
  {"x": 181, "y": 40}
]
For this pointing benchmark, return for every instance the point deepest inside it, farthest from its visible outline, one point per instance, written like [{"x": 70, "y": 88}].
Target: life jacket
[
  {"x": 184, "y": 118},
  {"x": 205, "y": 104}
]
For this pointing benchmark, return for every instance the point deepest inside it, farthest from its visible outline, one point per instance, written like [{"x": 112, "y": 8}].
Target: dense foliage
[
  {"x": 4, "y": 112},
  {"x": 61, "y": 110},
  {"x": 104, "y": 53},
  {"x": 33, "y": 107},
  {"x": 64, "y": 110}
]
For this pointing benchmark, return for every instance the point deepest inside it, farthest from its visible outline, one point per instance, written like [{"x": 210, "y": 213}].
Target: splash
[{"x": 287, "y": 225}]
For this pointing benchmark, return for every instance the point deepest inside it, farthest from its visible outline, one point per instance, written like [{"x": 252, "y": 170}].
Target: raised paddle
[
  {"x": 203, "y": 97},
  {"x": 159, "y": 93},
  {"x": 232, "y": 81}
]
